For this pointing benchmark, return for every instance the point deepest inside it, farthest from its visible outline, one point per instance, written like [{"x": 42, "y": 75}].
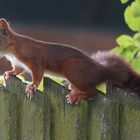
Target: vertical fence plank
[
  {"x": 8, "y": 115},
  {"x": 67, "y": 122},
  {"x": 31, "y": 118},
  {"x": 30, "y": 113},
  {"x": 103, "y": 119},
  {"x": 47, "y": 116},
  {"x": 129, "y": 116},
  {"x": 90, "y": 120}
]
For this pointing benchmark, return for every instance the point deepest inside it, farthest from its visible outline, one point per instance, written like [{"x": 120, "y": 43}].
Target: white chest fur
[{"x": 15, "y": 62}]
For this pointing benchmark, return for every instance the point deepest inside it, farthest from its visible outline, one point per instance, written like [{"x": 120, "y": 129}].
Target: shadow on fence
[{"x": 48, "y": 117}]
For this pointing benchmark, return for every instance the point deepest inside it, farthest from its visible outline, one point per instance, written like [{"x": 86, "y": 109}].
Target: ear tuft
[{"x": 3, "y": 23}]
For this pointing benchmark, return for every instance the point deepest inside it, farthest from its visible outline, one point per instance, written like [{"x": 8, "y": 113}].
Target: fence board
[
  {"x": 129, "y": 124},
  {"x": 103, "y": 122},
  {"x": 48, "y": 117},
  {"x": 95, "y": 119},
  {"x": 65, "y": 119},
  {"x": 8, "y": 115},
  {"x": 29, "y": 113}
]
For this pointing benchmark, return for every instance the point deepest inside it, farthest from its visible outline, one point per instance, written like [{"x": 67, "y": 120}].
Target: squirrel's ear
[{"x": 3, "y": 23}]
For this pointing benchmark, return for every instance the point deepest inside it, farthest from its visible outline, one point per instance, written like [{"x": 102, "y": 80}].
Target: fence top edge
[{"x": 110, "y": 88}]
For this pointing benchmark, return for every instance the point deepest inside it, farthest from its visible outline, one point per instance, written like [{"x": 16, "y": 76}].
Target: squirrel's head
[
  {"x": 4, "y": 24},
  {"x": 4, "y": 34}
]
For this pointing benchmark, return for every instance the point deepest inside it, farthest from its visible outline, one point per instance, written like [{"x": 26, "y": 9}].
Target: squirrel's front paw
[
  {"x": 6, "y": 75},
  {"x": 72, "y": 98},
  {"x": 30, "y": 89}
]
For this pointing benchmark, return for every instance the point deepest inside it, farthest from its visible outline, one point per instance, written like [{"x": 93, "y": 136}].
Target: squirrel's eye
[{"x": 3, "y": 32}]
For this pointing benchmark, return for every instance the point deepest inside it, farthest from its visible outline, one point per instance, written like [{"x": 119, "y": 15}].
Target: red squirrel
[{"x": 83, "y": 72}]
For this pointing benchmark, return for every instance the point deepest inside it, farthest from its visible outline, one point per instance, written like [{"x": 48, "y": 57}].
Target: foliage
[
  {"x": 124, "y": 1},
  {"x": 129, "y": 46}
]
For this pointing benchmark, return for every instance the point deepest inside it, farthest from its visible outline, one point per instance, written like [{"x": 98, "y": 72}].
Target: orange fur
[{"x": 83, "y": 72}]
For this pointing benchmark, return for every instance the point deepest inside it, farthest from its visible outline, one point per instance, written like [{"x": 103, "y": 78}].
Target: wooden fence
[{"x": 48, "y": 117}]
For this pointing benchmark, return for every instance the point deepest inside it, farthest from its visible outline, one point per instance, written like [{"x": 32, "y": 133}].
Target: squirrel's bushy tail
[{"x": 119, "y": 71}]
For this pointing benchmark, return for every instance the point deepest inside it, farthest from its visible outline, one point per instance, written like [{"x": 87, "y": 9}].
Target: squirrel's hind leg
[{"x": 75, "y": 95}]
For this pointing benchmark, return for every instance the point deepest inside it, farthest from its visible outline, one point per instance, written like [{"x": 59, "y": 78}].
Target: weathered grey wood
[
  {"x": 8, "y": 115},
  {"x": 93, "y": 120},
  {"x": 129, "y": 114},
  {"x": 28, "y": 118},
  {"x": 129, "y": 122},
  {"x": 48, "y": 117},
  {"x": 67, "y": 121},
  {"x": 103, "y": 119}
]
